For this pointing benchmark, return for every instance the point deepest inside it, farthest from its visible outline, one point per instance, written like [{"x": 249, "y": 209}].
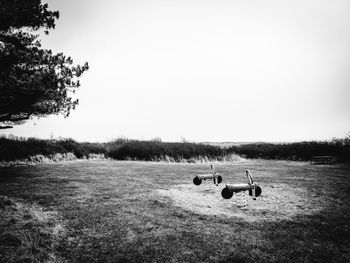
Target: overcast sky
[{"x": 215, "y": 70}]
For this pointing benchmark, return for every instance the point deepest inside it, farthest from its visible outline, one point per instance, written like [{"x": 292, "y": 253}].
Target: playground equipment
[
  {"x": 197, "y": 180},
  {"x": 251, "y": 186}
]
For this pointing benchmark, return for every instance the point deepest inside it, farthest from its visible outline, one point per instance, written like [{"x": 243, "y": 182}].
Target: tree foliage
[{"x": 34, "y": 82}]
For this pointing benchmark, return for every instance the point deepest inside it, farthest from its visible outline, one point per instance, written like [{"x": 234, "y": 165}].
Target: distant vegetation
[
  {"x": 169, "y": 151},
  {"x": 15, "y": 148},
  {"x": 299, "y": 151}
]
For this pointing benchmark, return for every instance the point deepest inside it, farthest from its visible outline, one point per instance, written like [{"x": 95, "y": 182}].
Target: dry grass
[
  {"x": 27, "y": 232},
  {"x": 151, "y": 212}
]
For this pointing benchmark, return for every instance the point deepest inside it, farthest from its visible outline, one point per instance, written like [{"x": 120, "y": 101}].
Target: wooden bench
[{"x": 323, "y": 160}]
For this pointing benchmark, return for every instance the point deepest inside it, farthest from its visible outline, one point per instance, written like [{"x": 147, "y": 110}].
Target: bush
[
  {"x": 11, "y": 149},
  {"x": 157, "y": 150},
  {"x": 301, "y": 151},
  {"x": 74, "y": 147}
]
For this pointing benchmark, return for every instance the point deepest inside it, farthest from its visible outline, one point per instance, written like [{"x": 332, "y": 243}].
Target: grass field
[{"x": 119, "y": 211}]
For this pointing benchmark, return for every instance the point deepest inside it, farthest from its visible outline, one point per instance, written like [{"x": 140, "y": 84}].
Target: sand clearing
[{"x": 277, "y": 201}]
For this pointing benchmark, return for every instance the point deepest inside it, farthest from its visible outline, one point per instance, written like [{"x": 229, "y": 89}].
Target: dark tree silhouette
[{"x": 34, "y": 82}]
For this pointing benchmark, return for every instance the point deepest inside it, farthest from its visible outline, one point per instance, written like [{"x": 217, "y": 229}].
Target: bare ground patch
[{"x": 277, "y": 201}]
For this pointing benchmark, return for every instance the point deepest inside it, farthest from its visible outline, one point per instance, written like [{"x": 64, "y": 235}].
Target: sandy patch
[{"x": 277, "y": 201}]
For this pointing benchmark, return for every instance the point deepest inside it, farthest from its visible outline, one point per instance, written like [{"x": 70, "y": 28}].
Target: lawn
[{"x": 124, "y": 211}]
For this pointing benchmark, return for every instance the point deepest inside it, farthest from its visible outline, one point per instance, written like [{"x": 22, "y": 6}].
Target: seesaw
[
  {"x": 251, "y": 186},
  {"x": 197, "y": 180}
]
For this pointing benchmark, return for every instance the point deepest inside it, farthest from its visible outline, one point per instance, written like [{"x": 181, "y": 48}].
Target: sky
[{"x": 208, "y": 70}]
